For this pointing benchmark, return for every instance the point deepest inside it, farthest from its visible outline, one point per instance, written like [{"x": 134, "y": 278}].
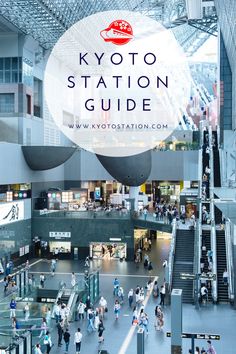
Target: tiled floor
[{"x": 219, "y": 319}]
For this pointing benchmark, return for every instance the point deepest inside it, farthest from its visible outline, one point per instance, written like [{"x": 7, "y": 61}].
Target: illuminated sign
[
  {"x": 59, "y": 235},
  {"x": 97, "y": 193}
]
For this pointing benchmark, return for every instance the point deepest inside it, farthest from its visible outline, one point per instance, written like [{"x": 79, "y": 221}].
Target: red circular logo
[{"x": 119, "y": 32}]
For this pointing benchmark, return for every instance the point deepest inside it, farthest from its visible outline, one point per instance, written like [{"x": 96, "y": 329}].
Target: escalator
[
  {"x": 217, "y": 179},
  {"x": 183, "y": 263},
  {"x": 206, "y": 241},
  {"x": 221, "y": 266},
  {"x": 70, "y": 298}
]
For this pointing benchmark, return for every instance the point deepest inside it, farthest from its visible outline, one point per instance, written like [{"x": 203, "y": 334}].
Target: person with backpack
[
  {"x": 101, "y": 329},
  {"x": 66, "y": 338},
  {"x": 48, "y": 342}
]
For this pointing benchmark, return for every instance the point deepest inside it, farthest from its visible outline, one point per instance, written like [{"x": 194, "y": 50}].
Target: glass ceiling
[{"x": 47, "y": 20}]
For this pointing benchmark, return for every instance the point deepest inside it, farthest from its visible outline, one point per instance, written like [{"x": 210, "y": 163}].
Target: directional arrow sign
[
  {"x": 197, "y": 336},
  {"x": 187, "y": 276}
]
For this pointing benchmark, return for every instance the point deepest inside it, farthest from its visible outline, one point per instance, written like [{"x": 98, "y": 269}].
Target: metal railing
[
  {"x": 212, "y": 212},
  {"x": 172, "y": 252},
  {"x": 229, "y": 260},
  {"x": 89, "y": 214}
]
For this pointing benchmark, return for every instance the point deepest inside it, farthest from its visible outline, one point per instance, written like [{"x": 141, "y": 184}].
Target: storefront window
[
  {"x": 57, "y": 247},
  {"x": 108, "y": 250}
]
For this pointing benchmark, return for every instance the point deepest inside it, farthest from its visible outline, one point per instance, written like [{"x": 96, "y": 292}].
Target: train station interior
[{"x": 117, "y": 237}]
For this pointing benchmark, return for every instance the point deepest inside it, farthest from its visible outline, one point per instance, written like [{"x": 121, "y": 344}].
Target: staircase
[
  {"x": 221, "y": 266},
  {"x": 206, "y": 236},
  {"x": 183, "y": 263}
]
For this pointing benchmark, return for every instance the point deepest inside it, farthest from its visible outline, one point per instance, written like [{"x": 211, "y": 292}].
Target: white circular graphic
[{"x": 116, "y": 82}]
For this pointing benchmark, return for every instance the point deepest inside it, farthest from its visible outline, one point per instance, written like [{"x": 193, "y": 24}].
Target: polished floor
[{"x": 120, "y": 336}]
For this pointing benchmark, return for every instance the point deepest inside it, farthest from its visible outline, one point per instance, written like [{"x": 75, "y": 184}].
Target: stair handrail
[
  {"x": 199, "y": 204},
  {"x": 196, "y": 262},
  {"x": 212, "y": 212},
  {"x": 229, "y": 260},
  {"x": 172, "y": 252}
]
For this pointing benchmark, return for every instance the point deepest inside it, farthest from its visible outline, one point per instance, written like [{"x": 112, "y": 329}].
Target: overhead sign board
[
  {"x": 59, "y": 234},
  {"x": 197, "y": 336}
]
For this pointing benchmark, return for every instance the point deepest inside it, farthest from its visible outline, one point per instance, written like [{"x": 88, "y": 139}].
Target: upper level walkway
[{"x": 148, "y": 221}]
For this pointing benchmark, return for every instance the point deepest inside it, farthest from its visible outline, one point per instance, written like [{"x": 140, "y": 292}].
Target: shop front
[
  {"x": 167, "y": 190},
  {"x": 188, "y": 202},
  {"x": 108, "y": 250},
  {"x": 140, "y": 238},
  {"x": 68, "y": 200},
  {"x": 60, "y": 244}
]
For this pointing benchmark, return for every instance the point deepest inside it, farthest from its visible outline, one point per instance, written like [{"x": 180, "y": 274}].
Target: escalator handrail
[
  {"x": 229, "y": 260},
  {"x": 172, "y": 252},
  {"x": 212, "y": 211}
]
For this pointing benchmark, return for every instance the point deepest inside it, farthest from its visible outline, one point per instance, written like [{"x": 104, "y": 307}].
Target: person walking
[
  {"x": 145, "y": 214},
  {"x": 96, "y": 319},
  {"x": 26, "y": 312},
  {"x": 42, "y": 280},
  {"x": 37, "y": 349},
  {"x": 13, "y": 308},
  {"x": 116, "y": 286},
  {"x": 80, "y": 310},
  {"x": 77, "y": 341},
  {"x": 48, "y": 316},
  {"x": 131, "y": 297},
  {"x": 101, "y": 329},
  {"x": 53, "y": 267},
  {"x": 43, "y": 327},
  {"x": 163, "y": 294},
  {"x": 135, "y": 316},
  {"x": 159, "y": 318},
  {"x": 120, "y": 295},
  {"x": 60, "y": 332},
  {"x": 103, "y": 306},
  {"x": 66, "y": 338},
  {"x": 56, "y": 311},
  {"x": 48, "y": 342},
  {"x": 90, "y": 318},
  {"x": 211, "y": 349},
  {"x": 73, "y": 280},
  {"x": 117, "y": 309}
]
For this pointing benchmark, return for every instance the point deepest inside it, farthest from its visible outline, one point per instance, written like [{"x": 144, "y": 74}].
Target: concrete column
[
  {"x": 133, "y": 194},
  {"x": 123, "y": 192},
  {"x": 176, "y": 321}
]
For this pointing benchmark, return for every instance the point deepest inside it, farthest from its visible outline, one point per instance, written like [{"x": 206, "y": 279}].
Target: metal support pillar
[
  {"x": 176, "y": 321},
  {"x": 140, "y": 341}
]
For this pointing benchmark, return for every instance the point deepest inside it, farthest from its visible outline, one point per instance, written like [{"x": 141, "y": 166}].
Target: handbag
[{"x": 106, "y": 309}]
